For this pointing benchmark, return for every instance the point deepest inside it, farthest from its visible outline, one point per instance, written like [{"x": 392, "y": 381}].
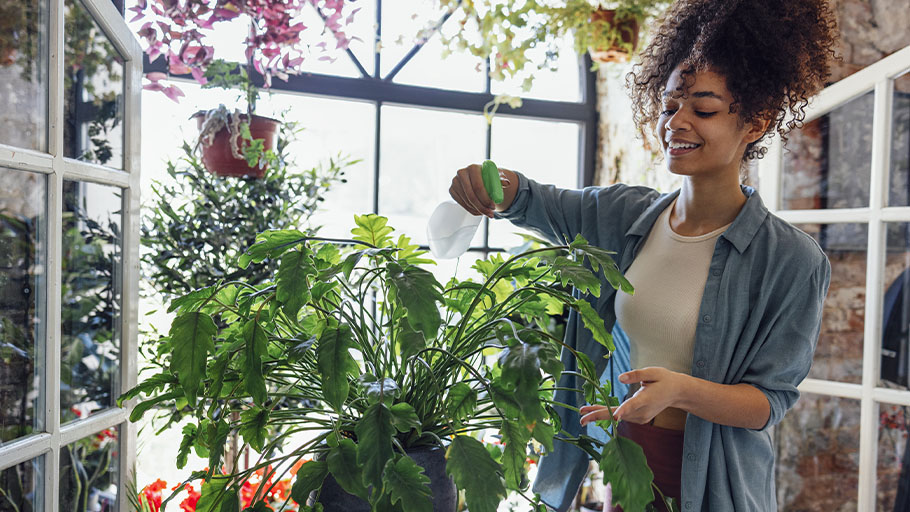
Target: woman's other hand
[
  {"x": 660, "y": 389},
  {"x": 467, "y": 190}
]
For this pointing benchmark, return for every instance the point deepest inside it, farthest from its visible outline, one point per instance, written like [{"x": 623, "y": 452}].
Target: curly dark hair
[{"x": 774, "y": 54}]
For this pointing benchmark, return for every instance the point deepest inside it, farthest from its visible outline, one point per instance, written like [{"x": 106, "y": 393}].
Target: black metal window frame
[{"x": 381, "y": 90}]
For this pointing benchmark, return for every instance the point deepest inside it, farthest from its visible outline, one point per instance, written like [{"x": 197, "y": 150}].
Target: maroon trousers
[{"x": 664, "y": 451}]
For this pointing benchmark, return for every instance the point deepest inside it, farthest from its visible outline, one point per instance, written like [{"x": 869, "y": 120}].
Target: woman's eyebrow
[{"x": 698, "y": 94}]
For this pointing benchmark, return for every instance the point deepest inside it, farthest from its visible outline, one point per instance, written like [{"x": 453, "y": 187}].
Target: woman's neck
[{"x": 706, "y": 205}]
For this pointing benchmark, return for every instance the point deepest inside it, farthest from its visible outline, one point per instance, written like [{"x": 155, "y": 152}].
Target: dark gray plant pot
[{"x": 431, "y": 459}]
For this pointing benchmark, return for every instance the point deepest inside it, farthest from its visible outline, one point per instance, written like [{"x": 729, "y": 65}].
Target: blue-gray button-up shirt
[{"x": 758, "y": 323}]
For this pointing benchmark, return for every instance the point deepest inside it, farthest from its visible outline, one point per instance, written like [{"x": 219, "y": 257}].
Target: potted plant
[
  {"x": 177, "y": 31},
  {"x": 352, "y": 357},
  {"x": 504, "y": 32}
]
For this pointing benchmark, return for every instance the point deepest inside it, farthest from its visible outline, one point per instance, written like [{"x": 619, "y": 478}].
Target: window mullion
[{"x": 868, "y": 452}]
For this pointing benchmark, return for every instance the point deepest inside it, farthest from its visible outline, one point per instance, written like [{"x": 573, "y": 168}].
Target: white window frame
[
  {"x": 57, "y": 168},
  {"x": 879, "y": 78}
]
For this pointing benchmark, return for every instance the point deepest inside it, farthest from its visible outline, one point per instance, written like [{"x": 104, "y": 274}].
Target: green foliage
[
  {"x": 359, "y": 345},
  {"x": 624, "y": 466}
]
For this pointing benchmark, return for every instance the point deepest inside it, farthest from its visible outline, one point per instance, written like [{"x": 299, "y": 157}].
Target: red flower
[
  {"x": 152, "y": 494},
  {"x": 189, "y": 504}
]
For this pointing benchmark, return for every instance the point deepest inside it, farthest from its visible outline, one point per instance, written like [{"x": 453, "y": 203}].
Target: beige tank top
[{"x": 669, "y": 275}]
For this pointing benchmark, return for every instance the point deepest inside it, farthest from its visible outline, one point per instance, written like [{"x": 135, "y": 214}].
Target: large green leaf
[
  {"x": 372, "y": 229},
  {"x": 386, "y": 389},
  {"x": 186, "y": 444},
  {"x": 336, "y": 363},
  {"x": 521, "y": 375},
  {"x": 575, "y": 274},
  {"x": 475, "y": 471},
  {"x": 602, "y": 259},
  {"x": 216, "y": 437},
  {"x": 191, "y": 335},
  {"x": 410, "y": 341},
  {"x": 515, "y": 437},
  {"x": 292, "y": 280},
  {"x": 256, "y": 345},
  {"x": 404, "y": 418},
  {"x": 374, "y": 442},
  {"x": 594, "y": 323},
  {"x": 342, "y": 461},
  {"x": 544, "y": 434},
  {"x": 461, "y": 401},
  {"x": 212, "y": 494},
  {"x": 625, "y": 467},
  {"x": 142, "y": 407},
  {"x": 271, "y": 244},
  {"x": 254, "y": 423},
  {"x": 148, "y": 385},
  {"x": 191, "y": 301},
  {"x": 309, "y": 478},
  {"x": 418, "y": 291},
  {"x": 407, "y": 485}
]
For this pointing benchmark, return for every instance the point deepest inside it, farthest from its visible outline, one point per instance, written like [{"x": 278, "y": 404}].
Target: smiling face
[{"x": 699, "y": 135}]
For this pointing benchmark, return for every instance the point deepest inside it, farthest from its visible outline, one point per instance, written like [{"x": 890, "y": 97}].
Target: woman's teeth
[{"x": 678, "y": 145}]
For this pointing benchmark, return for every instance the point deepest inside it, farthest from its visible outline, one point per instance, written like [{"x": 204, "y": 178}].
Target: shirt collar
[{"x": 740, "y": 233}]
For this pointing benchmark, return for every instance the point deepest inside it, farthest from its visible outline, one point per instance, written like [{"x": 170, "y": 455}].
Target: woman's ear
[{"x": 757, "y": 127}]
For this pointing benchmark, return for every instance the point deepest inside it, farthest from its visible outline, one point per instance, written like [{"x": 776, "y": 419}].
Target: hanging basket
[
  {"x": 222, "y": 145},
  {"x": 626, "y": 26}
]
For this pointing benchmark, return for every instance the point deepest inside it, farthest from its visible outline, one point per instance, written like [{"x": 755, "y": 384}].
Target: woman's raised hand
[{"x": 467, "y": 190}]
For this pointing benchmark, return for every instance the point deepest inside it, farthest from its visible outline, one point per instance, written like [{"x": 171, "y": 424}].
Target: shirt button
[
  {"x": 688, "y": 505},
  {"x": 717, "y": 272},
  {"x": 707, "y": 319},
  {"x": 691, "y": 457},
  {"x": 701, "y": 363}
]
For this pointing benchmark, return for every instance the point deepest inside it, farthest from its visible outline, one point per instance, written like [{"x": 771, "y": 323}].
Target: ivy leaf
[
  {"x": 292, "y": 281},
  {"x": 625, "y": 467},
  {"x": 575, "y": 274},
  {"x": 192, "y": 335},
  {"x": 186, "y": 444},
  {"x": 407, "y": 485},
  {"x": 404, "y": 417},
  {"x": 594, "y": 323},
  {"x": 515, "y": 437},
  {"x": 475, "y": 471},
  {"x": 309, "y": 478},
  {"x": 216, "y": 438},
  {"x": 254, "y": 424},
  {"x": 335, "y": 363},
  {"x": 418, "y": 291},
  {"x": 212, "y": 494},
  {"x": 372, "y": 229},
  {"x": 256, "y": 345},
  {"x": 271, "y": 244},
  {"x": 374, "y": 442},
  {"x": 342, "y": 462},
  {"x": 544, "y": 434},
  {"x": 461, "y": 401}
]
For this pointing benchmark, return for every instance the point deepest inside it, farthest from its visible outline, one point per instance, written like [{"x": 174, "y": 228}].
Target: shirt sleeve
[{"x": 785, "y": 357}]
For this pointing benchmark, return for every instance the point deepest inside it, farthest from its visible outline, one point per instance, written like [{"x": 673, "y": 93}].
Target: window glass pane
[
  {"x": 827, "y": 162},
  {"x": 893, "y": 475},
  {"x": 420, "y": 151},
  {"x": 896, "y": 307},
  {"x": 22, "y": 261},
  {"x": 430, "y": 67},
  {"x": 93, "y": 91},
  {"x": 88, "y": 473},
  {"x": 545, "y": 151},
  {"x": 90, "y": 348},
  {"x": 899, "y": 193},
  {"x": 332, "y": 129},
  {"x": 23, "y": 73},
  {"x": 561, "y": 83},
  {"x": 403, "y": 25},
  {"x": 21, "y": 486},
  {"x": 839, "y": 354},
  {"x": 817, "y": 455}
]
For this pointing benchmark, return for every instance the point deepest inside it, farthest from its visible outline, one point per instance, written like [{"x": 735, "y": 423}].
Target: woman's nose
[{"x": 678, "y": 121}]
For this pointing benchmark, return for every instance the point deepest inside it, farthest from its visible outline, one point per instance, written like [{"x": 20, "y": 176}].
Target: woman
[{"x": 728, "y": 298}]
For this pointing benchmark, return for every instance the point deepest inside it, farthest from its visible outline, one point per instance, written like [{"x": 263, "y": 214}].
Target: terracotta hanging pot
[
  {"x": 627, "y": 26},
  {"x": 222, "y": 149}
]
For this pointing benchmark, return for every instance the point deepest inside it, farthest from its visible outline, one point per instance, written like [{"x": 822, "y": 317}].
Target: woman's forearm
[{"x": 735, "y": 405}]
